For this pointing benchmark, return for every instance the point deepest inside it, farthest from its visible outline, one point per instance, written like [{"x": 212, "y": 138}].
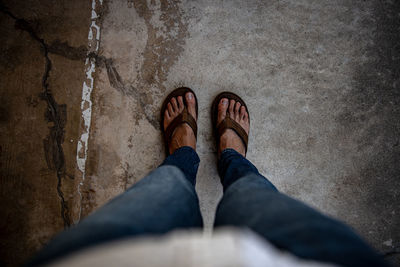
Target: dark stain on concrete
[
  {"x": 64, "y": 49},
  {"x": 9, "y": 57},
  {"x": 10, "y": 228},
  {"x": 55, "y": 113},
  {"x": 374, "y": 106},
  {"x": 31, "y": 205},
  {"x": 378, "y": 81},
  {"x": 4, "y": 115},
  {"x": 32, "y": 101}
]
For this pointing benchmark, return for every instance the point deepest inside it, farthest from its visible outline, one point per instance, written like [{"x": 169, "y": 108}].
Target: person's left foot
[
  {"x": 238, "y": 113},
  {"x": 183, "y": 134}
]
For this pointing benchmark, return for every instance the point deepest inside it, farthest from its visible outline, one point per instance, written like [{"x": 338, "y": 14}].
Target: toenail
[
  {"x": 190, "y": 96},
  {"x": 225, "y": 101}
]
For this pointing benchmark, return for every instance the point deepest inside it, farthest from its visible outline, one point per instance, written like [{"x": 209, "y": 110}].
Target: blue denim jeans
[{"x": 166, "y": 200}]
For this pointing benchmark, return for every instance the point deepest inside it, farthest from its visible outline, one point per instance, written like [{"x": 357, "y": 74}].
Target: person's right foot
[
  {"x": 183, "y": 134},
  {"x": 238, "y": 113}
]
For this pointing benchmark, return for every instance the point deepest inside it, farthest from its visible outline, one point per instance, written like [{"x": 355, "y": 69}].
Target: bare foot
[
  {"x": 183, "y": 134},
  {"x": 238, "y": 113}
]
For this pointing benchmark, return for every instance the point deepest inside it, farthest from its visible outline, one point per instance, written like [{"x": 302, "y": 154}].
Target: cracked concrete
[
  {"x": 41, "y": 81},
  {"x": 55, "y": 113},
  {"x": 321, "y": 79}
]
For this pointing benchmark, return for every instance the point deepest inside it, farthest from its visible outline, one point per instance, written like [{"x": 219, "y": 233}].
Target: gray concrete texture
[{"x": 321, "y": 80}]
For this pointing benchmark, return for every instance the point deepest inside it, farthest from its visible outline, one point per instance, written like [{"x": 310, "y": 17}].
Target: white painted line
[{"x": 86, "y": 104}]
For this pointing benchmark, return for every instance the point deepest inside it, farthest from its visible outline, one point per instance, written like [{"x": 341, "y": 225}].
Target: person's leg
[
  {"x": 162, "y": 201},
  {"x": 251, "y": 201}
]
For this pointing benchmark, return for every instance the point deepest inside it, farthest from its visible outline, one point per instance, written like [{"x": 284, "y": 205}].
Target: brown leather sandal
[
  {"x": 184, "y": 117},
  {"x": 228, "y": 123}
]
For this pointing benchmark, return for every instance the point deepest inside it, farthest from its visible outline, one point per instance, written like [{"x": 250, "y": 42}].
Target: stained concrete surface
[
  {"x": 321, "y": 79},
  {"x": 42, "y": 46}
]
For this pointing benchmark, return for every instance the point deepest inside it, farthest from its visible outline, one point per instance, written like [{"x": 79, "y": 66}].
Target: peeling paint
[{"x": 86, "y": 103}]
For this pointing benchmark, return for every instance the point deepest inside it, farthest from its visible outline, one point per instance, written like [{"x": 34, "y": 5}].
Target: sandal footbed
[
  {"x": 181, "y": 91},
  {"x": 214, "y": 112}
]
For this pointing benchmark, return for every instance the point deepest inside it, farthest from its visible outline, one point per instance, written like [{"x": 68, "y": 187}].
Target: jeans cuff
[
  {"x": 232, "y": 166},
  {"x": 187, "y": 160}
]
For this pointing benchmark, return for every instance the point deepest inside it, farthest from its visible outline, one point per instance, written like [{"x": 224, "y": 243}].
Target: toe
[
  {"x": 174, "y": 104},
  {"x": 245, "y": 121},
  {"x": 191, "y": 103},
  {"x": 242, "y": 113},
  {"x": 180, "y": 104},
  {"x": 231, "y": 109},
  {"x": 237, "y": 111},
  {"x": 170, "y": 110},
  {"x": 167, "y": 119},
  {"x": 166, "y": 115},
  {"x": 222, "y": 108}
]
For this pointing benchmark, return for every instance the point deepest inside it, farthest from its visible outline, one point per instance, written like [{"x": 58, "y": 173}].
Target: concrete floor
[{"x": 321, "y": 79}]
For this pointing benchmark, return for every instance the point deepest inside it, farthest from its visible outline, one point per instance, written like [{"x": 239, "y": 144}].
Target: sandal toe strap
[
  {"x": 184, "y": 117},
  {"x": 228, "y": 123}
]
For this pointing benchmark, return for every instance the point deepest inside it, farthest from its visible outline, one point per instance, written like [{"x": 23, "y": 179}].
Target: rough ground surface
[
  {"x": 321, "y": 79},
  {"x": 42, "y": 52}
]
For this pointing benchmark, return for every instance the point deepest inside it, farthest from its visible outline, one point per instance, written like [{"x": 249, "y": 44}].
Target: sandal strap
[
  {"x": 184, "y": 117},
  {"x": 228, "y": 123}
]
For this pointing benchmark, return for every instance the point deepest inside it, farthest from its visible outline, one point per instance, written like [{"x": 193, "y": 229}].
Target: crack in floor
[
  {"x": 117, "y": 83},
  {"x": 55, "y": 113},
  {"x": 79, "y": 53}
]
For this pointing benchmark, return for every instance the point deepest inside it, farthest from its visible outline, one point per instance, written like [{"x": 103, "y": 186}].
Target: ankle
[
  {"x": 183, "y": 136},
  {"x": 232, "y": 166},
  {"x": 187, "y": 160},
  {"x": 229, "y": 140}
]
